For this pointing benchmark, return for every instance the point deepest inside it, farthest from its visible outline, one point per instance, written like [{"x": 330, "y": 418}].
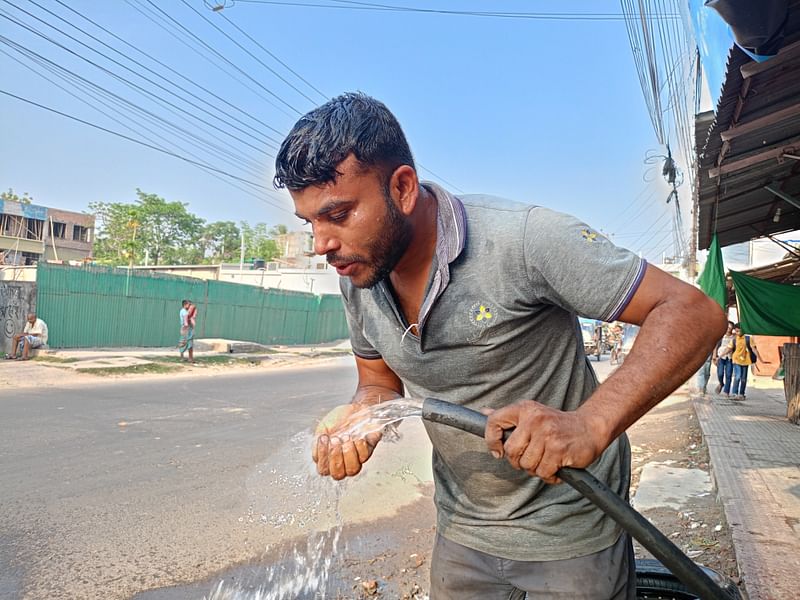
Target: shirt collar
[{"x": 451, "y": 224}]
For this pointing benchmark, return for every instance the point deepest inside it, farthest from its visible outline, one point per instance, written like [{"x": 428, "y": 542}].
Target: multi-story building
[
  {"x": 296, "y": 248},
  {"x": 30, "y": 233}
]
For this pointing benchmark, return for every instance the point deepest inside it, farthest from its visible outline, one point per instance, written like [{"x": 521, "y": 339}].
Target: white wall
[{"x": 323, "y": 281}]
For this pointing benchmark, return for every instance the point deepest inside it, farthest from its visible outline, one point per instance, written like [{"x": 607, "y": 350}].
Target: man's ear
[{"x": 404, "y": 188}]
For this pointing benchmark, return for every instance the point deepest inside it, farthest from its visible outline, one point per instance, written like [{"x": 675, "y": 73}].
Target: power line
[
  {"x": 146, "y": 13},
  {"x": 86, "y": 83},
  {"x": 141, "y": 143},
  {"x": 250, "y": 54},
  {"x": 212, "y": 174},
  {"x": 170, "y": 69},
  {"x": 247, "y": 75},
  {"x": 75, "y": 82},
  {"x": 368, "y": 6},
  {"x": 147, "y": 79},
  {"x": 287, "y": 67}
]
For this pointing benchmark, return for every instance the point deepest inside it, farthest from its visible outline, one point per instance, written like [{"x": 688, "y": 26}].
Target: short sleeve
[
  {"x": 351, "y": 300},
  {"x": 573, "y": 266}
]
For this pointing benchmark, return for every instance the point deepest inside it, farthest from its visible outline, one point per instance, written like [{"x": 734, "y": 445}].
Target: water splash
[
  {"x": 298, "y": 503},
  {"x": 382, "y": 417}
]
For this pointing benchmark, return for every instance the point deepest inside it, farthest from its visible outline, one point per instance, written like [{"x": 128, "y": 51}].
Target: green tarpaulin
[
  {"x": 767, "y": 308},
  {"x": 712, "y": 279}
]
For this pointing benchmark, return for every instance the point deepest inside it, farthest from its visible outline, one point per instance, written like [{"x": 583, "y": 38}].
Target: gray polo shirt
[{"x": 499, "y": 324}]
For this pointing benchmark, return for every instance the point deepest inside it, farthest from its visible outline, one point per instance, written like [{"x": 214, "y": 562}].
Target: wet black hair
[
  {"x": 185, "y": 302},
  {"x": 352, "y": 123}
]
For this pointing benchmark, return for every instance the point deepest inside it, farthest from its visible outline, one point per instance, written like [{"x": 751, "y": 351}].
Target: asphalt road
[{"x": 110, "y": 489}]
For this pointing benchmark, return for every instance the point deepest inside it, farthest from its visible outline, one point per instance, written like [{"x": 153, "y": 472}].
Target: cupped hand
[
  {"x": 544, "y": 439},
  {"x": 344, "y": 440}
]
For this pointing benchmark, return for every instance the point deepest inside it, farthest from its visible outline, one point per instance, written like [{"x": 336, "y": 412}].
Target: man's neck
[{"x": 416, "y": 262}]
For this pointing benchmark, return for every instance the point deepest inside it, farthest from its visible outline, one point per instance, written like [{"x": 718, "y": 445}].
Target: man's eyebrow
[{"x": 329, "y": 207}]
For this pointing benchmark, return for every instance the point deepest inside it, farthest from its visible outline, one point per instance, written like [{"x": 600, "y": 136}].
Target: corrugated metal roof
[
  {"x": 783, "y": 271},
  {"x": 748, "y": 148}
]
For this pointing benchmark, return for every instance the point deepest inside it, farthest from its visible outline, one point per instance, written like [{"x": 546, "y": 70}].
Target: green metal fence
[{"x": 104, "y": 307}]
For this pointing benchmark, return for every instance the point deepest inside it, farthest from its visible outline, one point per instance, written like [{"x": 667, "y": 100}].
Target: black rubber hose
[{"x": 692, "y": 576}]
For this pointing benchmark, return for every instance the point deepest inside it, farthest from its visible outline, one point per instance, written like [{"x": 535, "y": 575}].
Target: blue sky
[{"x": 543, "y": 111}]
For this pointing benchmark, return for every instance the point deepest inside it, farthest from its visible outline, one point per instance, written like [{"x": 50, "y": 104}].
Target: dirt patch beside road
[{"x": 670, "y": 435}]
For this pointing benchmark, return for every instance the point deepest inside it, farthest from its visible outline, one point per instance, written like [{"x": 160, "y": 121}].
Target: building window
[
  {"x": 34, "y": 228},
  {"x": 80, "y": 233},
  {"x": 13, "y": 226},
  {"x": 322, "y": 266},
  {"x": 59, "y": 230}
]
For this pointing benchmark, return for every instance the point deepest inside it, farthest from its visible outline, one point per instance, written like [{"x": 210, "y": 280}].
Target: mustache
[{"x": 340, "y": 259}]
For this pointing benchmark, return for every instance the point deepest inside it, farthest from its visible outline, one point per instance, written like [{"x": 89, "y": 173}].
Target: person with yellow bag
[{"x": 744, "y": 353}]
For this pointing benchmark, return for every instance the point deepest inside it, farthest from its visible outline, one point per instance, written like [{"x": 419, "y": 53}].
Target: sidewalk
[
  {"x": 755, "y": 458},
  {"x": 203, "y": 348},
  {"x": 58, "y": 367}
]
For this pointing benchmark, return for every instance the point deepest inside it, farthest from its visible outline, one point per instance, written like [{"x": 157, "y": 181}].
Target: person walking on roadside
[
  {"x": 475, "y": 299},
  {"x": 34, "y": 335},
  {"x": 743, "y": 355},
  {"x": 724, "y": 362},
  {"x": 188, "y": 318}
]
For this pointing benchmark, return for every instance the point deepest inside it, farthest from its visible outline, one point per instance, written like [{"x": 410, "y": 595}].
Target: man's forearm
[{"x": 675, "y": 339}]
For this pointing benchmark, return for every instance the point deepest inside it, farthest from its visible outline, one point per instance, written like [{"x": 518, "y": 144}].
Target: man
[
  {"x": 615, "y": 334},
  {"x": 743, "y": 354},
  {"x": 723, "y": 361},
  {"x": 187, "y": 319},
  {"x": 34, "y": 335},
  {"x": 474, "y": 300}
]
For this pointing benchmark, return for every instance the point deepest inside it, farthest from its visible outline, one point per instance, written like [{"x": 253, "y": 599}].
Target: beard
[{"x": 385, "y": 251}]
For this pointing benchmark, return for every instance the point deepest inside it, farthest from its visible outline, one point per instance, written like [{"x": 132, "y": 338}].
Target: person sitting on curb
[{"x": 34, "y": 335}]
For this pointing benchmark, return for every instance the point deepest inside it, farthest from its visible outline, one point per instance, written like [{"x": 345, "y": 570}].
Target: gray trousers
[{"x": 461, "y": 573}]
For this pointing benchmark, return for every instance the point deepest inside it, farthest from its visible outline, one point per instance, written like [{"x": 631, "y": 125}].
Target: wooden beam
[
  {"x": 738, "y": 165},
  {"x": 778, "y": 116},
  {"x": 786, "y": 54}
]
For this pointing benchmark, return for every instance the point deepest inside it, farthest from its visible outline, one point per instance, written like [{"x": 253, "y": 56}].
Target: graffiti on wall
[{"x": 17, "y": 299}]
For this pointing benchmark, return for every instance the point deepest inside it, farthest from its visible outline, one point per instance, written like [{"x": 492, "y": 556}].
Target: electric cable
[
  {"x": 243, "y": 72},
  {"x": 143, "y": 90},
  {"x": 250, "y": 54},
  {"x": 367, "y": 6},
  {"x": 148, "y": 14},
  {"x": 42, "y": 60},
  {"x": 141, "y": 143},
  {"x": 287, "y": 67},
  {"x": 162, "y": 64}
]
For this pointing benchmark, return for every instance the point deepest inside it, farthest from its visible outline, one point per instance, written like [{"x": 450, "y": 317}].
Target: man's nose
[{"x": 323, "y": 244}]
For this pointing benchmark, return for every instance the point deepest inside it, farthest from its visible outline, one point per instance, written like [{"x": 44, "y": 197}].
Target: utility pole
[{"x": 241, "y": 255}]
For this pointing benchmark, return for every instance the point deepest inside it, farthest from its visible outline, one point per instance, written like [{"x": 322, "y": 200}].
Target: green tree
[
  {"x": 221, "y": 241},
  {"x": 151, "y": 228},
  {"x": 278, "y": 230},
  {"x": 13, "y": 197},
  {"x": 258, "y": 241}
]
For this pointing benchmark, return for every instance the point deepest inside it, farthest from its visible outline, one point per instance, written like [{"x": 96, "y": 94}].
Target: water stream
[{"x": 299, "y": 503}]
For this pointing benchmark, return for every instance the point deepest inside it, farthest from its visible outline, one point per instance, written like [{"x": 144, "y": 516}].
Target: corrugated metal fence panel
[
  {"x": 104, "y": 307},
  {"x": 332, "y": 321},
  {"x": 95, "y": 306}
]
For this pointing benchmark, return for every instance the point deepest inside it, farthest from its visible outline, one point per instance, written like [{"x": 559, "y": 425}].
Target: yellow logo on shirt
[
  {"x": 480, "y": 314},
  {"x": 589, "y": 236}
]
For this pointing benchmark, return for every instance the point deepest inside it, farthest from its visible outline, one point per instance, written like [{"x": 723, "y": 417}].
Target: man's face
[
  {"x": 730, "y": 329},
  {"x": 32, "y": 319},
  {"x": 356, "y": 224}
]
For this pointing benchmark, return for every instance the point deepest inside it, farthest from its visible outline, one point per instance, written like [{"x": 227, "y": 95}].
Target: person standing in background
[
  {"x": 188, "y": 318},
  {"x": 723, "y": 361},
  {"x": 743, "y": 355}
]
